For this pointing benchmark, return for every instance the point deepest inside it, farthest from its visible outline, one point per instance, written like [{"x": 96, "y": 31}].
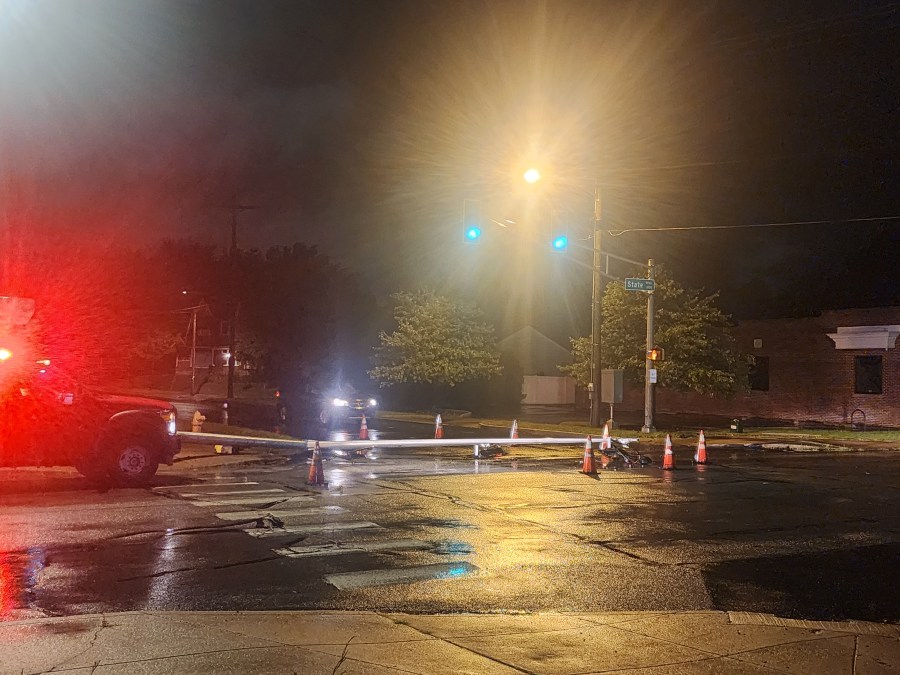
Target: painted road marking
[
  {"x": 403, "y": 575},
  {"x": 197, "y": 485},
  {"x": 244, "y": 501},
  {"x": 307, "y": 529},
  {"x": 231, "y": 492},
  {"x": 247, "y": 515},
  {"x": 358, "y": 547}
]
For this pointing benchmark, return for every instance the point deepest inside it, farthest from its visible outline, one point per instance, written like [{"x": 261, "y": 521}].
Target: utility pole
[
  {"x": 596, "y": 313},
  {"x": 649, "y": 387},
  {"x": 235, "y": 207},
  {"x": 232, "y": 345},
  {"x": 193, "y": 350}
]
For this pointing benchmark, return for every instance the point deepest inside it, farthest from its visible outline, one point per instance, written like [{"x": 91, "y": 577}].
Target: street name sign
[{"x": 640, "y": 285}]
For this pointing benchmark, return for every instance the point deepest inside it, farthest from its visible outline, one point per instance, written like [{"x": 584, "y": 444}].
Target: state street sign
[{"x": 640, "y": 285}]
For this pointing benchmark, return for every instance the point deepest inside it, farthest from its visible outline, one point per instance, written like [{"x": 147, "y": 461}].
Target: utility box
[{"x": 612, "y": 385}]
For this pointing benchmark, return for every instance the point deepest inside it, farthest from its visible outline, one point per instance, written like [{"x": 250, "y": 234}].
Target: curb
[
  {"x": 889, "y": 630},
  {"x": 857, "y": 627}
]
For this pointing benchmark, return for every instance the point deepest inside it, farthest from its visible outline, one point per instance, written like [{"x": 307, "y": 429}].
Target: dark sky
[{"x": 363, "y": 126}]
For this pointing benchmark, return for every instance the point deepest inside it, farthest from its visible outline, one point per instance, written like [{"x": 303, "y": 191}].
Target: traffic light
[
  {"x": 471, "y": 221},
  {"x": 656, "y": 354},
  {"x": 561, "y": 242},
  {"x": 559, "y": 230}
]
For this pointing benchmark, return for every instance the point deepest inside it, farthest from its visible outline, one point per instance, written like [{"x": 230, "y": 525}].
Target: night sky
[{"x": 363, "y": 126}]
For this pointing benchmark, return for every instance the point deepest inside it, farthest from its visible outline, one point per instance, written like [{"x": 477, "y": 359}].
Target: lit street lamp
[{"x": 532, "y": 176}]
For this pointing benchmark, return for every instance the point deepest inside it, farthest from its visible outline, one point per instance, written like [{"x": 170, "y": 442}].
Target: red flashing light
[{"x": 5, "y": 354}]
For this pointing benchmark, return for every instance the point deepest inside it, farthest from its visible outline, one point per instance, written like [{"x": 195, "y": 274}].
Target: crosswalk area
[{"x": 282, "y": 515}]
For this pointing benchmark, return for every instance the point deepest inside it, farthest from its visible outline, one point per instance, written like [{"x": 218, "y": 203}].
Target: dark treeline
[{"x": 113, "y": 314}]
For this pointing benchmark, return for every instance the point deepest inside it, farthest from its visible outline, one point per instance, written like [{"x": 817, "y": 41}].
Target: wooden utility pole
[{"x": 235, "y": 207}]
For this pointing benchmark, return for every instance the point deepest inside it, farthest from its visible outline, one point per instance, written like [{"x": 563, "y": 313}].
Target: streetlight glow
[{"x": 532, "y": 176}]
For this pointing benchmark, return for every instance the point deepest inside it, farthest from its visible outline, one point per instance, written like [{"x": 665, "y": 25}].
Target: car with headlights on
[{"x": 342, "y": 407}]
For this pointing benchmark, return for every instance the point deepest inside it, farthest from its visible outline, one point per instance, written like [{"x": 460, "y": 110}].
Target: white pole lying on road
[{"x": 298, "y": 444}]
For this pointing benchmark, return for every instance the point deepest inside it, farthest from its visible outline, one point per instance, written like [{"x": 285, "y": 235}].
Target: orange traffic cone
[
  {"x": 604, "y": 460},
  {"x": 438, "y": 427},
  {"x": 363, "y": 429},
  {"x": 605, "y": 441},
  {"x": 514, "y": 430},
  {"x": 668, "y": 455},
  {"x": 700, "y": 455},
  {"x": 316, "y": 471},
  {"x": 589, "y": 466}
]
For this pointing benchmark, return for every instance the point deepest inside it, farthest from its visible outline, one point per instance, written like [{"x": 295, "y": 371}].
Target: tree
[
  {"x": 301, "y": 315},
  {"x": 437, "y": 341},
  {"x": 695, "y": 334}
]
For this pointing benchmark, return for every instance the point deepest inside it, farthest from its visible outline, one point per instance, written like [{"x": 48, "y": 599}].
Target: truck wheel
[{"x": 132, "y": 460}]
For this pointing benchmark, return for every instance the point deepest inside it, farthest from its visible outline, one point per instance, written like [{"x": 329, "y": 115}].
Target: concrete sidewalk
[{"x": 341, "y": 643}]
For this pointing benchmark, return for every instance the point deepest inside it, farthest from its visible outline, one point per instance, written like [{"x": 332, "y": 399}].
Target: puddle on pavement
[{"x": 19, "y": 574}]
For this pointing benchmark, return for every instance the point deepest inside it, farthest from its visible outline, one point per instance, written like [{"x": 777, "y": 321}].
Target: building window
[
  {"x": 868, "y": 374},
  {"x": 759, "y": 373}
]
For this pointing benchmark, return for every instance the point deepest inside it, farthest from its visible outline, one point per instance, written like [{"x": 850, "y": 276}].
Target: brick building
[{"x": 842, "y": 367}]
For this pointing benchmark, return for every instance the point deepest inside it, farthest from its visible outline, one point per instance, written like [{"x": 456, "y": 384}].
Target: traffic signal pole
[
  {"x": 649, "y": 387},
  {"x": 596, "y": 315}
]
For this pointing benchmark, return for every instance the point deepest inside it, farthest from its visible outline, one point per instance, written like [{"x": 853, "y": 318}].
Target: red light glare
[{"x": 5, "y": 354}]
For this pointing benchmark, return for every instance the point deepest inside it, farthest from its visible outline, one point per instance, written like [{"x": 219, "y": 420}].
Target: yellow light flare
[{"x": 532, "y": 176}]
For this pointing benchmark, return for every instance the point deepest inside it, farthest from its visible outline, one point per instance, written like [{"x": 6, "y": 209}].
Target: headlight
[
  {"x": 340, "y": 403},
  {"x": 171, "y": 422},
  {"x": 373, "y": 402}
]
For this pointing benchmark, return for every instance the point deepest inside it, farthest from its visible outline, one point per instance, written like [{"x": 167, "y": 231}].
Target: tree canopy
[
  {"x": 108, "y": 312},
  {"x": 694, "y": 333},
  {"x": 438, "y": 340}
]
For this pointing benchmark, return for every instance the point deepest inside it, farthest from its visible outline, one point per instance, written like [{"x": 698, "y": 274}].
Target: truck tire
[{"x": 131, "y": 458}]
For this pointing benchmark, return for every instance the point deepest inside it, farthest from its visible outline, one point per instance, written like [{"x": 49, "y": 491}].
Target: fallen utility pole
[{"x": 301, "y": 444}]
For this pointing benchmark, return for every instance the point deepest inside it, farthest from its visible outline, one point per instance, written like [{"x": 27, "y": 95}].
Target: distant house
[
  {"x": 540, "y": 358},
  {"x": 841, "y": 367},
  {"x": 210, "y": 350}
]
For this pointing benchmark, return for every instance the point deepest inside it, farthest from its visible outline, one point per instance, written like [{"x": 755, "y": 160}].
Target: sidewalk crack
[
  {"x": 103, "y": 624},
  {"x": 500, "y": 662}
]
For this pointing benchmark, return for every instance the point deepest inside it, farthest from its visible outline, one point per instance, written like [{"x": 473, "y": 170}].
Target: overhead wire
[{"x": 616, "y": 233}]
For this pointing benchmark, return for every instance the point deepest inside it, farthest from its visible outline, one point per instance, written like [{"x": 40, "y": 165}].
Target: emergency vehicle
[{"x": 48, "y": 419}]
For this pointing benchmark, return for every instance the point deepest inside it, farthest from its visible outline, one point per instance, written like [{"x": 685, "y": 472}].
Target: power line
[{"x": 616, "y": 233}]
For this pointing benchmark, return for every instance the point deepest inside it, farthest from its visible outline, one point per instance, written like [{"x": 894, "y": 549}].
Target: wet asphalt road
[{"x": 800, "y": 535}]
